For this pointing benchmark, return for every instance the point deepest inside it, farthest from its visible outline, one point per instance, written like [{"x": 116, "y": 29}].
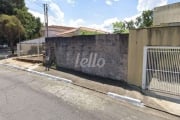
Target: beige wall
[
  {"x": 167, "y": 14},
  {"x": 157, "y": 36}
]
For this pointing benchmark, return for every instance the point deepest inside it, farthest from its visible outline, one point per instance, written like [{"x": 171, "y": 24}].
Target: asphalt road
[{"x": 23, "y": 97}]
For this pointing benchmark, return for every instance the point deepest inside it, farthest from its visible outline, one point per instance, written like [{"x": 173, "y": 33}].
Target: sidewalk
[
  {"x": 91, "y": 83},
  {"x": 124, "y": 90}
]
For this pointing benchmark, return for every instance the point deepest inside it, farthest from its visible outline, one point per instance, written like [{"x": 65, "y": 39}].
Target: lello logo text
[{"x": 91, "y": 61}]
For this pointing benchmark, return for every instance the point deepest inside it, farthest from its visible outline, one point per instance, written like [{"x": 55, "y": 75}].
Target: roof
[
  {"x": 93, "y": 30},
  {"x": 58, "y": 28},
  {"x": 61, "y": 27},
  {"x": 63, "y": 31},
  {"x": 70, "y": 32},
  {"x": 67, "y": 32}
]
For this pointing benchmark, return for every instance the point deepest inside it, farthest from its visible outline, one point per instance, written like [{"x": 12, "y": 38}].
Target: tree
[
  {"x": 38, "y": 27},
  {"x": 8, "y": 6},
  {"x": 11, "y": 29},
  {"x": 145, "y": 20},
  {"x": 119, "y": 27},
  {"x": 138, "y": 22},
  {"x": 130, "y": 24},
  {"x": 147, "y": 17},
  {"x": 31, "y": 24},
  {"x": 5, "y": 7},
  {"x": 123, "y": 27}
]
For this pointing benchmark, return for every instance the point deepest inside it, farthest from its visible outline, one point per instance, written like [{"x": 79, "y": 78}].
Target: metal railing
[{"x": 161, "y": 69}]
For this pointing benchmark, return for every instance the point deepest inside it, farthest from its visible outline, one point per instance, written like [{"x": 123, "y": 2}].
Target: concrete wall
[
  {"x": 157, "y": 36},
  {"x": 167, "y": 14},
  {"x": 112, "y": 48}
]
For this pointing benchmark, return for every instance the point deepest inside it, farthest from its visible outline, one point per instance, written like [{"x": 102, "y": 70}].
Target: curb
[
  {"x": 50, "y": 76},
  {"x": 113, "y": 95},
  {"x": 39, "y": 73},
  {"x": 130, "y": 100},
  {"x": 133, "y": 101}
]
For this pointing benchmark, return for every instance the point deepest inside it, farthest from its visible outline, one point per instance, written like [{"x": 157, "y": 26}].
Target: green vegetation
[
  {"x": 31, "y": 24},
  {"x": 14, "y": 20},
  {"x": 145, "y": 20},
  {"x": 85, "y": 32},
  {"x": 119, "y": 27},
  {"x": 11, "y": 29}
]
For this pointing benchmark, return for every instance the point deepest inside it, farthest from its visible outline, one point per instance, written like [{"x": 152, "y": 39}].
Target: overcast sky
[{"x": 99, "y": 14}]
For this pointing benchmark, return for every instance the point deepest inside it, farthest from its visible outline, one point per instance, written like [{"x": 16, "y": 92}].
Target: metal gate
[{"x": 161, "y": 69}]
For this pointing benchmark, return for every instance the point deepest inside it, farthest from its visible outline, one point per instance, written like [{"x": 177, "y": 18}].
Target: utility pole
[
  {"x": 19, "y": 43},
  {"x": 46, "y": 19}
]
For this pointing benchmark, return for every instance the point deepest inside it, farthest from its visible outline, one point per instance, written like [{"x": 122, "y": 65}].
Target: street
[{"x": 25, "y": 96}]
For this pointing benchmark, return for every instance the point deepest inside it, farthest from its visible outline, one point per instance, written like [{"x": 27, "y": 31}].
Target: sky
[{"x": 98, "y": 14}]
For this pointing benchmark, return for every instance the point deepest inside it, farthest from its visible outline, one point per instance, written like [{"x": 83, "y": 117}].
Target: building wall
[
  {"x": 157, "y": 36},
  {"x": 167, "y": 14},
  {"x": 70, "y": 51}
]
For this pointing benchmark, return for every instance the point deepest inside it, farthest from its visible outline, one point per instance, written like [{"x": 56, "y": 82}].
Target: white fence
[
  {"x": 161, "y": 69},
  {"x": 29, "y": 49}
]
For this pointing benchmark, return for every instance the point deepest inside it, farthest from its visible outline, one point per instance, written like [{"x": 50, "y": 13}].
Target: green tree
[
  {"x": 130, "y": 24},
  {"x": 145, "y": 20},
  {"x": 123, "y": 27},
  {"x": 31, "y": 24},
  {"x": 120, "y": 27},
  {"x": 138, "y": 22},
  {"x": 11, "y": 29},
  {"x": 8, "y": 6},
  {"x": 38, "y": 27},
  {"x": 147, "y": 17}
]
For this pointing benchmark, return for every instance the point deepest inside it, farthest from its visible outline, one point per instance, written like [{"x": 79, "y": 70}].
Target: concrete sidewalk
[
  {"x": 91, "y": 83},
  {"x": 122, "y": 89}
]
